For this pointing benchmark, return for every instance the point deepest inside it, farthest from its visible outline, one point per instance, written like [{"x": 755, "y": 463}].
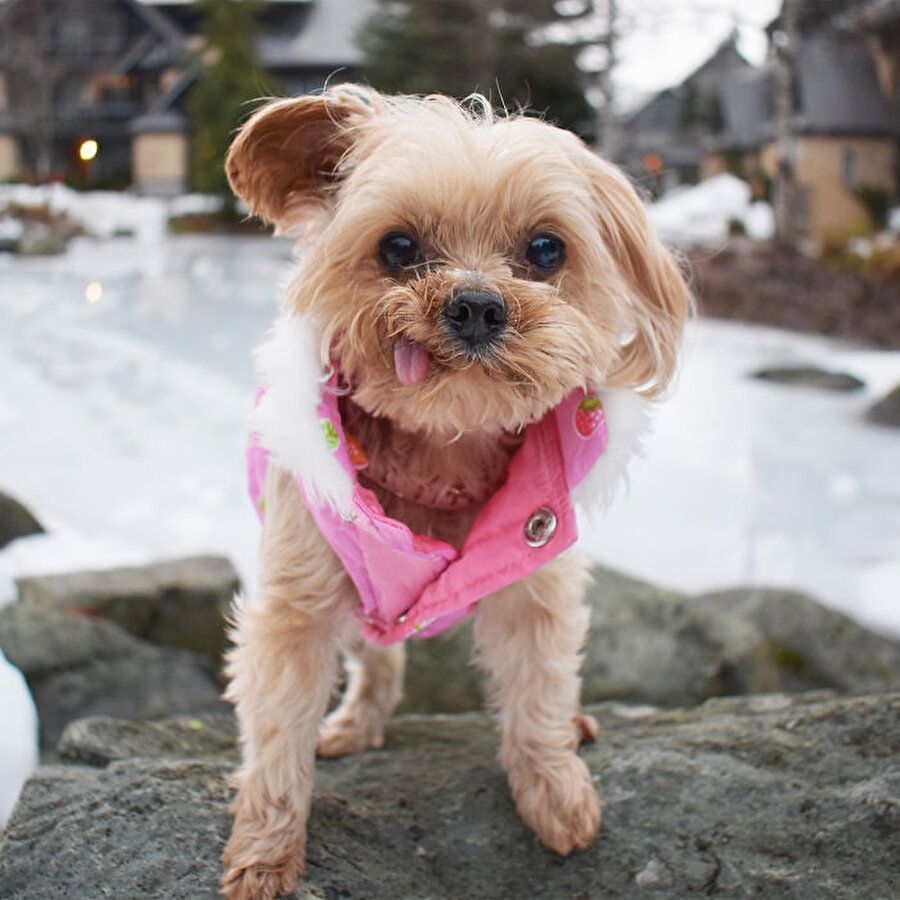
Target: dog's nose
[{"x": 475, "y": 318}]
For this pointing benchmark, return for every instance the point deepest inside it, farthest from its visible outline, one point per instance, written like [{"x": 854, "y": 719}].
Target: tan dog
[{"x": 466, "y": 273}]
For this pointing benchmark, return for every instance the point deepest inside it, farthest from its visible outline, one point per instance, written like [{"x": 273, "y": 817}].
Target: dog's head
[{"x": 469, "y": 271}]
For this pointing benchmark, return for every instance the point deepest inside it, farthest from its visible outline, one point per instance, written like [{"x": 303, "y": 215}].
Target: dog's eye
[
  {"x": 399, "y": 250},
  {"x": 546, "y": 252}
]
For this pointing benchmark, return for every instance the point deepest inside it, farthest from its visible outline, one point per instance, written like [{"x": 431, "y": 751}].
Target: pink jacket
[{"x": 413, "y": 585}]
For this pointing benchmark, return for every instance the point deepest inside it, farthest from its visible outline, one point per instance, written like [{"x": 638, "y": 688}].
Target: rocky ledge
[
  {"x": 791, "y": 790},
  {"x": 768, "y": 796}
]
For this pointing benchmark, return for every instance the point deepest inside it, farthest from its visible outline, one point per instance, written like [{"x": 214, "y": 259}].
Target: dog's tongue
[{"x": 411, "y": 361}]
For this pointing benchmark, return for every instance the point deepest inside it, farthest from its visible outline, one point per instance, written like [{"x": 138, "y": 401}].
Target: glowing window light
[
  {"x": 88, "y": 149},
  {"x": 93, "y": 292}
]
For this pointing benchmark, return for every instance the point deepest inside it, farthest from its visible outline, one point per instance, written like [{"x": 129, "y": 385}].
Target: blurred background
[{"x": 763, "y": 135}]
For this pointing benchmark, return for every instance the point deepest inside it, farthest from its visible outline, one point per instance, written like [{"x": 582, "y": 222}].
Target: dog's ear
[
  {"x": 287, "y": 154},
  {"x": 658, "y": 295}
]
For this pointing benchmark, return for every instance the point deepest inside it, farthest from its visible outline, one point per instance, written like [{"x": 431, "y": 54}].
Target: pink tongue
[{"x": 411, "y": 361}]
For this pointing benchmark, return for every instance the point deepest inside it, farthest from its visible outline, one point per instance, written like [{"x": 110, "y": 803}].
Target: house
[
  {"x": 95, "y": 90},
  {"x": 844, "y": 126},
  {"x": 844, "y": 132},
  {"x": 75, "y": 77},
  {"x": 664, "y": 137}
]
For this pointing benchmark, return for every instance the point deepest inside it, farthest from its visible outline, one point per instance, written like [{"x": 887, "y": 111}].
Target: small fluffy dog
[{"x": 463, "y": 358}]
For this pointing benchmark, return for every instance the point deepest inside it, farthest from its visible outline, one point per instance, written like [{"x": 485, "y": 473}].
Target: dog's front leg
[
  {"x": 528, "y": 638},
  {"x": 282, "y": 668}
]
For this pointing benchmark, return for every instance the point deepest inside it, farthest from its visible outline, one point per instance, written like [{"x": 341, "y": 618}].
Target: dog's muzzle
[{"x": 475, "y": 319}]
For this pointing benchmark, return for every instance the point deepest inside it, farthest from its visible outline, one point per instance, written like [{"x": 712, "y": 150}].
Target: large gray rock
[
  {"x": 887, "y": 410},
  {"x": 813, "y": 647},
  {"x": 651, "y": 645},
  {"x": 15, "y": 520},
  {"x": 181, "y": 602},
  {"x": 761, "y": 797},
  {"x": 79, "y": 666},
  {"x": 810, "y": 377}
]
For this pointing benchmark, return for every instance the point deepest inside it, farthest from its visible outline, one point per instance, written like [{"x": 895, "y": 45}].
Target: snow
[
  {"x": 894, "y": 220},
  {"x": 128, "y": 379},
  {"x": 749, "y": 482},
  {"x": 702, "y": 214},
  {"x": 108, "y": 213},
  {"x": 18, "y": 736}
]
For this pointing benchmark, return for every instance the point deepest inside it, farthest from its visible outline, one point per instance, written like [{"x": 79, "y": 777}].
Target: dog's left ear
[
  {"x": 288, "y": 153},
  {"x": 658, "y": 295}
]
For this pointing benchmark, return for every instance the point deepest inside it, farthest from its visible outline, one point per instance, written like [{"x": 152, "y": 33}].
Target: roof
[
  {"x": 328, "y": 39},
  {"x": 746, "y": 104},
  {"x": 838, "y": 90},
  {"x": 662, "y": 109}
]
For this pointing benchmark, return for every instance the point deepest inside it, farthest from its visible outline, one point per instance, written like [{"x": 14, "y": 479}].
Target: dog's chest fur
[{"x": 433, "y": 484}]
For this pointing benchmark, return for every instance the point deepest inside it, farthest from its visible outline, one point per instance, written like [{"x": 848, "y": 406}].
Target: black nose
[{"x": 475, "y": 318}]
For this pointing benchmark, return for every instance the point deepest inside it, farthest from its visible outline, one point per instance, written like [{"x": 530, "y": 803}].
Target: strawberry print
[
  {"x": 356, "y": 454},
  {"x": 588, "y": 416},
  {"x": 332, "y": 439}
]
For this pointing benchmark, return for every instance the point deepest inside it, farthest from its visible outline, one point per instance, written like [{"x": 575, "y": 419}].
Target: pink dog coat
[{"x": 413, "y": 585}]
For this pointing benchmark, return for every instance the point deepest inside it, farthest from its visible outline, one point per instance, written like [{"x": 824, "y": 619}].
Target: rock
[
  {"x": 98, "y": 741},
  {"x": 39, "y": 239},
  {"x": 813, "y": 647},
  {"x": 655, "y": 876},
  {"x": 15, "y": 520},
  {"x": 181, "y": 603},
  {"x": 651, "y": 645},
  {"x": 78, "y": 666},
  {"x": 887, "y": 410},
  {"x": 810, "y": 377},
  {"x": 439, "y": 674},
  {"x": 758, "y": 797}
]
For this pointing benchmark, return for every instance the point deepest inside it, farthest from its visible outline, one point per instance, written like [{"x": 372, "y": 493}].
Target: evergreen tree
[
  {"x": 230, "y": 77},
  {"x": 495, "y": 47}
]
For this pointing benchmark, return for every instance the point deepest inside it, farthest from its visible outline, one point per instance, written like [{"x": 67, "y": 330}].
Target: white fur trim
[
  {"x": 286, "y": 418},
  {"x": 627, "y": 424}
]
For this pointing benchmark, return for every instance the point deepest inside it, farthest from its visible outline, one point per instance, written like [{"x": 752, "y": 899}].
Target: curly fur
[{"x": 347, "y": 168}]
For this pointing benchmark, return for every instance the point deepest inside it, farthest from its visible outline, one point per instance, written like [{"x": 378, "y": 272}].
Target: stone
[
  {"x": 439, "y": 674},
  {"x": 887, "y": 410},
  {"x": 15, "y": 520},
  {"x": 655, "y": 876},
  {"x": 99, "y": 741},
  {"x": 651, "y": 645},
  {"x": 180, "y": 603},
  {"x": 814, "y": 647},
  {"x": 40, "y": 239},
  {"x": 78, "y": 666},
  {"x": 811, "y": 377},
  {"x": 765, "y": 796}
]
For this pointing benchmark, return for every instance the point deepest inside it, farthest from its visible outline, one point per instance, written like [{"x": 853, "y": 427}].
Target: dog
[{"x": 464, "y": 356}]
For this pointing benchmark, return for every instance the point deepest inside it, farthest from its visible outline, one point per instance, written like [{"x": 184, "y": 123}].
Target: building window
[{"x": 850, "y": 168}]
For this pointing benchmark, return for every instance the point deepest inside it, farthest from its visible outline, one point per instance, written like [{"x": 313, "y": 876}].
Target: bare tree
[
  {"x": 785, "y": 44},
  {"x": 609, "y": 137},
  {"x": 32, "y": 71}
]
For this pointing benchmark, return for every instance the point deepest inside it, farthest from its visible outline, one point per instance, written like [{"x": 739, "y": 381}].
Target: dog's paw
[
  {"x": 558, "y": 803},
  {"x": 258, "y": 866},
  {"x": 586, "y": 729},
  {"x": 344, "y": 733},
  {"x": 261, "y": 881}
]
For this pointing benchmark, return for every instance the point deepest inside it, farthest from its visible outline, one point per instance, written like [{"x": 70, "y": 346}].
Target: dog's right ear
[{"x": 287, "y": 154}]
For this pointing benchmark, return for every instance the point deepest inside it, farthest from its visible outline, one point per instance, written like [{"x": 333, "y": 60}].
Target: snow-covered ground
[
  {"x": 127, "y": 377},
  {"x": 702, "y": 214}
]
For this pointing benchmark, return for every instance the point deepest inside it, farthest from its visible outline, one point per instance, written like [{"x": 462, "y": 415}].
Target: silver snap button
[{"x": 540, "y": 527}]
